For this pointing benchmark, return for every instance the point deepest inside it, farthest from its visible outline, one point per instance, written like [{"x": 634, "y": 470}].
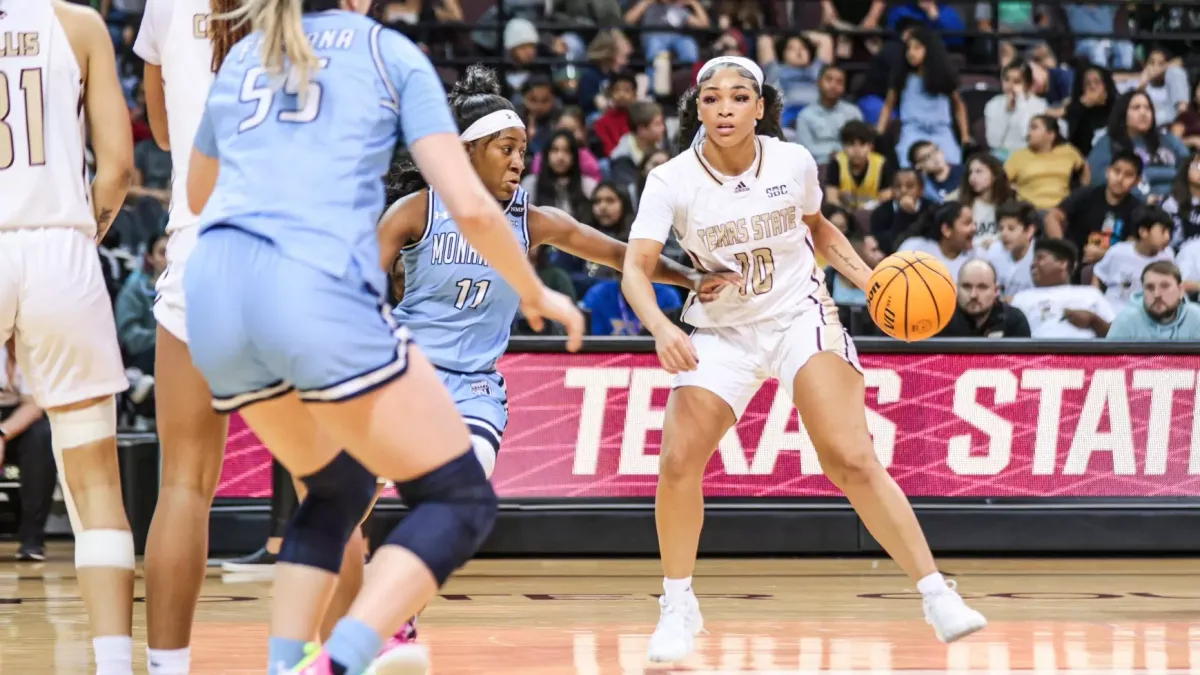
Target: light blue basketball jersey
[
  {"x": 307, "y": 174},
  {"x": 458, "y": 309}
]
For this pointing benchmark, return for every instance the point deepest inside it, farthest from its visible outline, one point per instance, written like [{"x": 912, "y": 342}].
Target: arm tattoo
[
  {"x": 849, "y": 261},
  {"x": 105, "y": 217}
]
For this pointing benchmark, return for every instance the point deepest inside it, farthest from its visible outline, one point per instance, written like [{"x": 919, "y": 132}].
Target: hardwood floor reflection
[{"x": 763, "y": 616}]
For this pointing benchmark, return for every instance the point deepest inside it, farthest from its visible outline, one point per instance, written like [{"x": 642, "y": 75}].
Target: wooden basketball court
[{"x": 536, "y": 617}]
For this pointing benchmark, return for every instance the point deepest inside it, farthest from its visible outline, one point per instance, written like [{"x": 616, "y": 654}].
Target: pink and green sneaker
[
  {"x": 401, "y": 655},
  {"x": 315, "y": 662}
]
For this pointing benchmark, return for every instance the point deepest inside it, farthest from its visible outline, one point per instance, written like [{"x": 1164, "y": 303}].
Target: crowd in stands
[{"x": 1054, "y": 143}]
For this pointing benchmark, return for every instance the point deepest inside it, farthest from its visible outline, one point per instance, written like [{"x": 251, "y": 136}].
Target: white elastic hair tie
[
  {"x": 491, "y": 123},
  {"x": 739, "y": 61}
]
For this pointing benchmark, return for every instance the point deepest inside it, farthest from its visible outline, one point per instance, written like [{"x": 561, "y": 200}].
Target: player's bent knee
[
  {"x": 78, "y": 426},
  {"x": 453, "y": 511},
  {"x": 104, "y": 548},
  {"x": 338, "y": 496},
  {"x": 485, "y": 452},
  {"x": 678, "y": 463},
  {"x": 844, "y": 463}
]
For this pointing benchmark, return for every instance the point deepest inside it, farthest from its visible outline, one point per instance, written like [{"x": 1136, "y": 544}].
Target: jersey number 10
[
  {"x": 761, "y": 278},
  {"x": 30, "y": 83}
]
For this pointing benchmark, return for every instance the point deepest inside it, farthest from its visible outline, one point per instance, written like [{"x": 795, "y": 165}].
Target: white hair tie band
[
  {"x": 739, "y": 61},
  {"x": 491, "y": 123}
]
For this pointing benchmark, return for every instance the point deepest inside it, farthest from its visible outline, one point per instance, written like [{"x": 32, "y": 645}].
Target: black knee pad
[
  {"x": 453, "y": 511},
  {"x": 338, "y": 497}
]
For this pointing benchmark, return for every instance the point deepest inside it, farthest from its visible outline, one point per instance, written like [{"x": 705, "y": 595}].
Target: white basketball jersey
[
  {"x": 43, "y": 173},
  {"x": 174, "y": 36},
  {"x": 748, "y": 224}
]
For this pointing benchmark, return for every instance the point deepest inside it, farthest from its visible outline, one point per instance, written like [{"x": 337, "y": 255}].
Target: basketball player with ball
[{"x": 742, "y": 199}]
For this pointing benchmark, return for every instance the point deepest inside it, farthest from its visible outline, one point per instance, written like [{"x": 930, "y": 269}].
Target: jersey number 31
[
  {"x": 263, "y": 96},
  {"x": 30, "y": 83}
]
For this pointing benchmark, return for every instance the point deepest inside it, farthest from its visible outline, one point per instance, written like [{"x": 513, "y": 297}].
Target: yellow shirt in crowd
[{"x": 1043, "y": 179}]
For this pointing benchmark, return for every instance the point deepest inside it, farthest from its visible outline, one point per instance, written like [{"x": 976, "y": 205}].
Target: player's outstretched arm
[
  {"x": 107, "y": 118},
  {"x": 832, "y": 245},
  {"x": 548, "y": 225}
]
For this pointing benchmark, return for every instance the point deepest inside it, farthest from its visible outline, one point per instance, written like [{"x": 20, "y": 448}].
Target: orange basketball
[{"x": 911, "y": 296}]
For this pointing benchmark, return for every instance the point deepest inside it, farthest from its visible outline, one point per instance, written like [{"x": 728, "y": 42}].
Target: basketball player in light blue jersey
[
  {"x": 456, "y": 307},
  {"x": 286, "y": 319}
]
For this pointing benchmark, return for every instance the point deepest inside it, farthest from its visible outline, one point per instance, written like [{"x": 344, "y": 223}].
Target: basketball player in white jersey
[
  {"x": 57, "y": 69},
  {"x": 741, "y": 199},
  {"x": 183, "y": 42}
]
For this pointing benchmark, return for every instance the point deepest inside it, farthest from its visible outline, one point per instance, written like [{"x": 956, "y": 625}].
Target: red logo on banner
[{"x": 960, "y": 425}]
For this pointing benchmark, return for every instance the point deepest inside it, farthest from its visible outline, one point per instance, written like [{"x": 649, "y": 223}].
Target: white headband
[
  {"x": 490, "y": 124},
  {"x": 739, "y": 61}
]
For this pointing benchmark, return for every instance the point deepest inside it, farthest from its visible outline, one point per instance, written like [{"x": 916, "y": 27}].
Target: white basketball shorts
[
  {"x": 168, "y": 303},
  {"x": 53, "y": 297},
  {"x": 734, "y": 361}
]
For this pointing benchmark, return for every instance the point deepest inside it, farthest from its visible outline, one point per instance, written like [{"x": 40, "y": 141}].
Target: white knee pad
[
  {"x": 74, "y": 428},
  {"x": 104, "y": 548},
  {"x": 485, "y": 453}
]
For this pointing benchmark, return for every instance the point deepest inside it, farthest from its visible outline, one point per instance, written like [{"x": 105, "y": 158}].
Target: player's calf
[
  {"x": 336, "y": 499},
  {"x": 84, "y": 442}
]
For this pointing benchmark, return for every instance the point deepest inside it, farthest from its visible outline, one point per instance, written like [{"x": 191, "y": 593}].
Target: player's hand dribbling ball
[{"x": 911, "y": 296}]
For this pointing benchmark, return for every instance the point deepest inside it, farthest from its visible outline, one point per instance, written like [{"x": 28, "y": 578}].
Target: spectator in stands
[
  {"x": 858, "y": 177},
  {"x": 571, "y": 119},
  {"x": 819, "y": 126},
  {"x": 1093, "y": 95},
  {"x": 611, "y": 314},
  {"x": 924, "y": 97},
  {"x": 878, "y": 80},
  {"x": 793, "y": 65},
  {"x": 607, "y": 54},
  {"x": 1011, "y": 255},
  {"x": 1043, "y": 173},
  {"x": 663, "y": 21},
  {"x": 850, "y": 14},
  {"x": 842, "y": 291},
  {"x": 1095, "y": 217},
  {"x": 538, "y": 109},
  {"x": 521, "y": 43},
  {"x": 1054, "y": 307},
  {"x": 1184, "y": 202},
  {"x": 151, "y": 172},
  {"x": 1188, "y": 260},
  {"x": 934, "y": 17},
  {"x": 613, "y": 124},
  {"x": 1120, "y": 270},
  {"x": 1097, "y": 22},
  {"x": 1187, "y": 125},
  {"x": 611, "y": 211},
  {"x": 1050, "y": 80},
  {"x": 553, "y": 277},
  {"x": 25, "y": 443},
  {"x": 1010, "y": 17},
  {"x": 1166, "y": 86},
  {"x": 135, "y": 309},
  {"x": 1161, "y": 311},
  {"x": 586, "y": 13},
  {"x": 939, "y": 178},
  {"x": 747, "y": 16},
  {"x": 898, "y": 215},
  {"x": 649, "y": 163},
  {"x": 1131, "y": 127},
  {"x": 980, "y": 311},
  {"x": 560, "y": 183},
  {"x": 647, "y": 133},
  {"x": 983, "y": 186},
  {"x": 948, "y": 234},
  {"x": 1007, "y": 115}
]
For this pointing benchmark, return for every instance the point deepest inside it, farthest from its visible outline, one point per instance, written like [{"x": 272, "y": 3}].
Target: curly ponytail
[
  {"x": 771, "y": 123},
  {"x": 477, "y": 94}
]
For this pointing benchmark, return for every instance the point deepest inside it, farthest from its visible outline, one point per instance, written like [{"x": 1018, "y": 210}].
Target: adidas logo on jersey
[{"x": 741, "y": 187}]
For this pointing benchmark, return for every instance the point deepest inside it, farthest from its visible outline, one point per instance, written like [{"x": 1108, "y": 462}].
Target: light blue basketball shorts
[
  {"x": 482, "y": 401},
  {"x": 261, "y": 324}
]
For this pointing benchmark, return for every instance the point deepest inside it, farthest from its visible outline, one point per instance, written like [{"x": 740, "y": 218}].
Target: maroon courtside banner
[{"x": 945, "y": 425}]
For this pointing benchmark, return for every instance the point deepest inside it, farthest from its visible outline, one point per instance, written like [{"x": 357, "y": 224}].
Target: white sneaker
[
  {"x": 678, "y": 622},
  {"x": 949, "y": 615}
]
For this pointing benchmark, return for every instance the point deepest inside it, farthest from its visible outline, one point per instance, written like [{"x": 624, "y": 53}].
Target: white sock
[
  {"x": 168, "y": 661},
  {"x": 114, "y": 655},
  {"x": 677, "y": 588},
  {"x": 932, "y": 583}
]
